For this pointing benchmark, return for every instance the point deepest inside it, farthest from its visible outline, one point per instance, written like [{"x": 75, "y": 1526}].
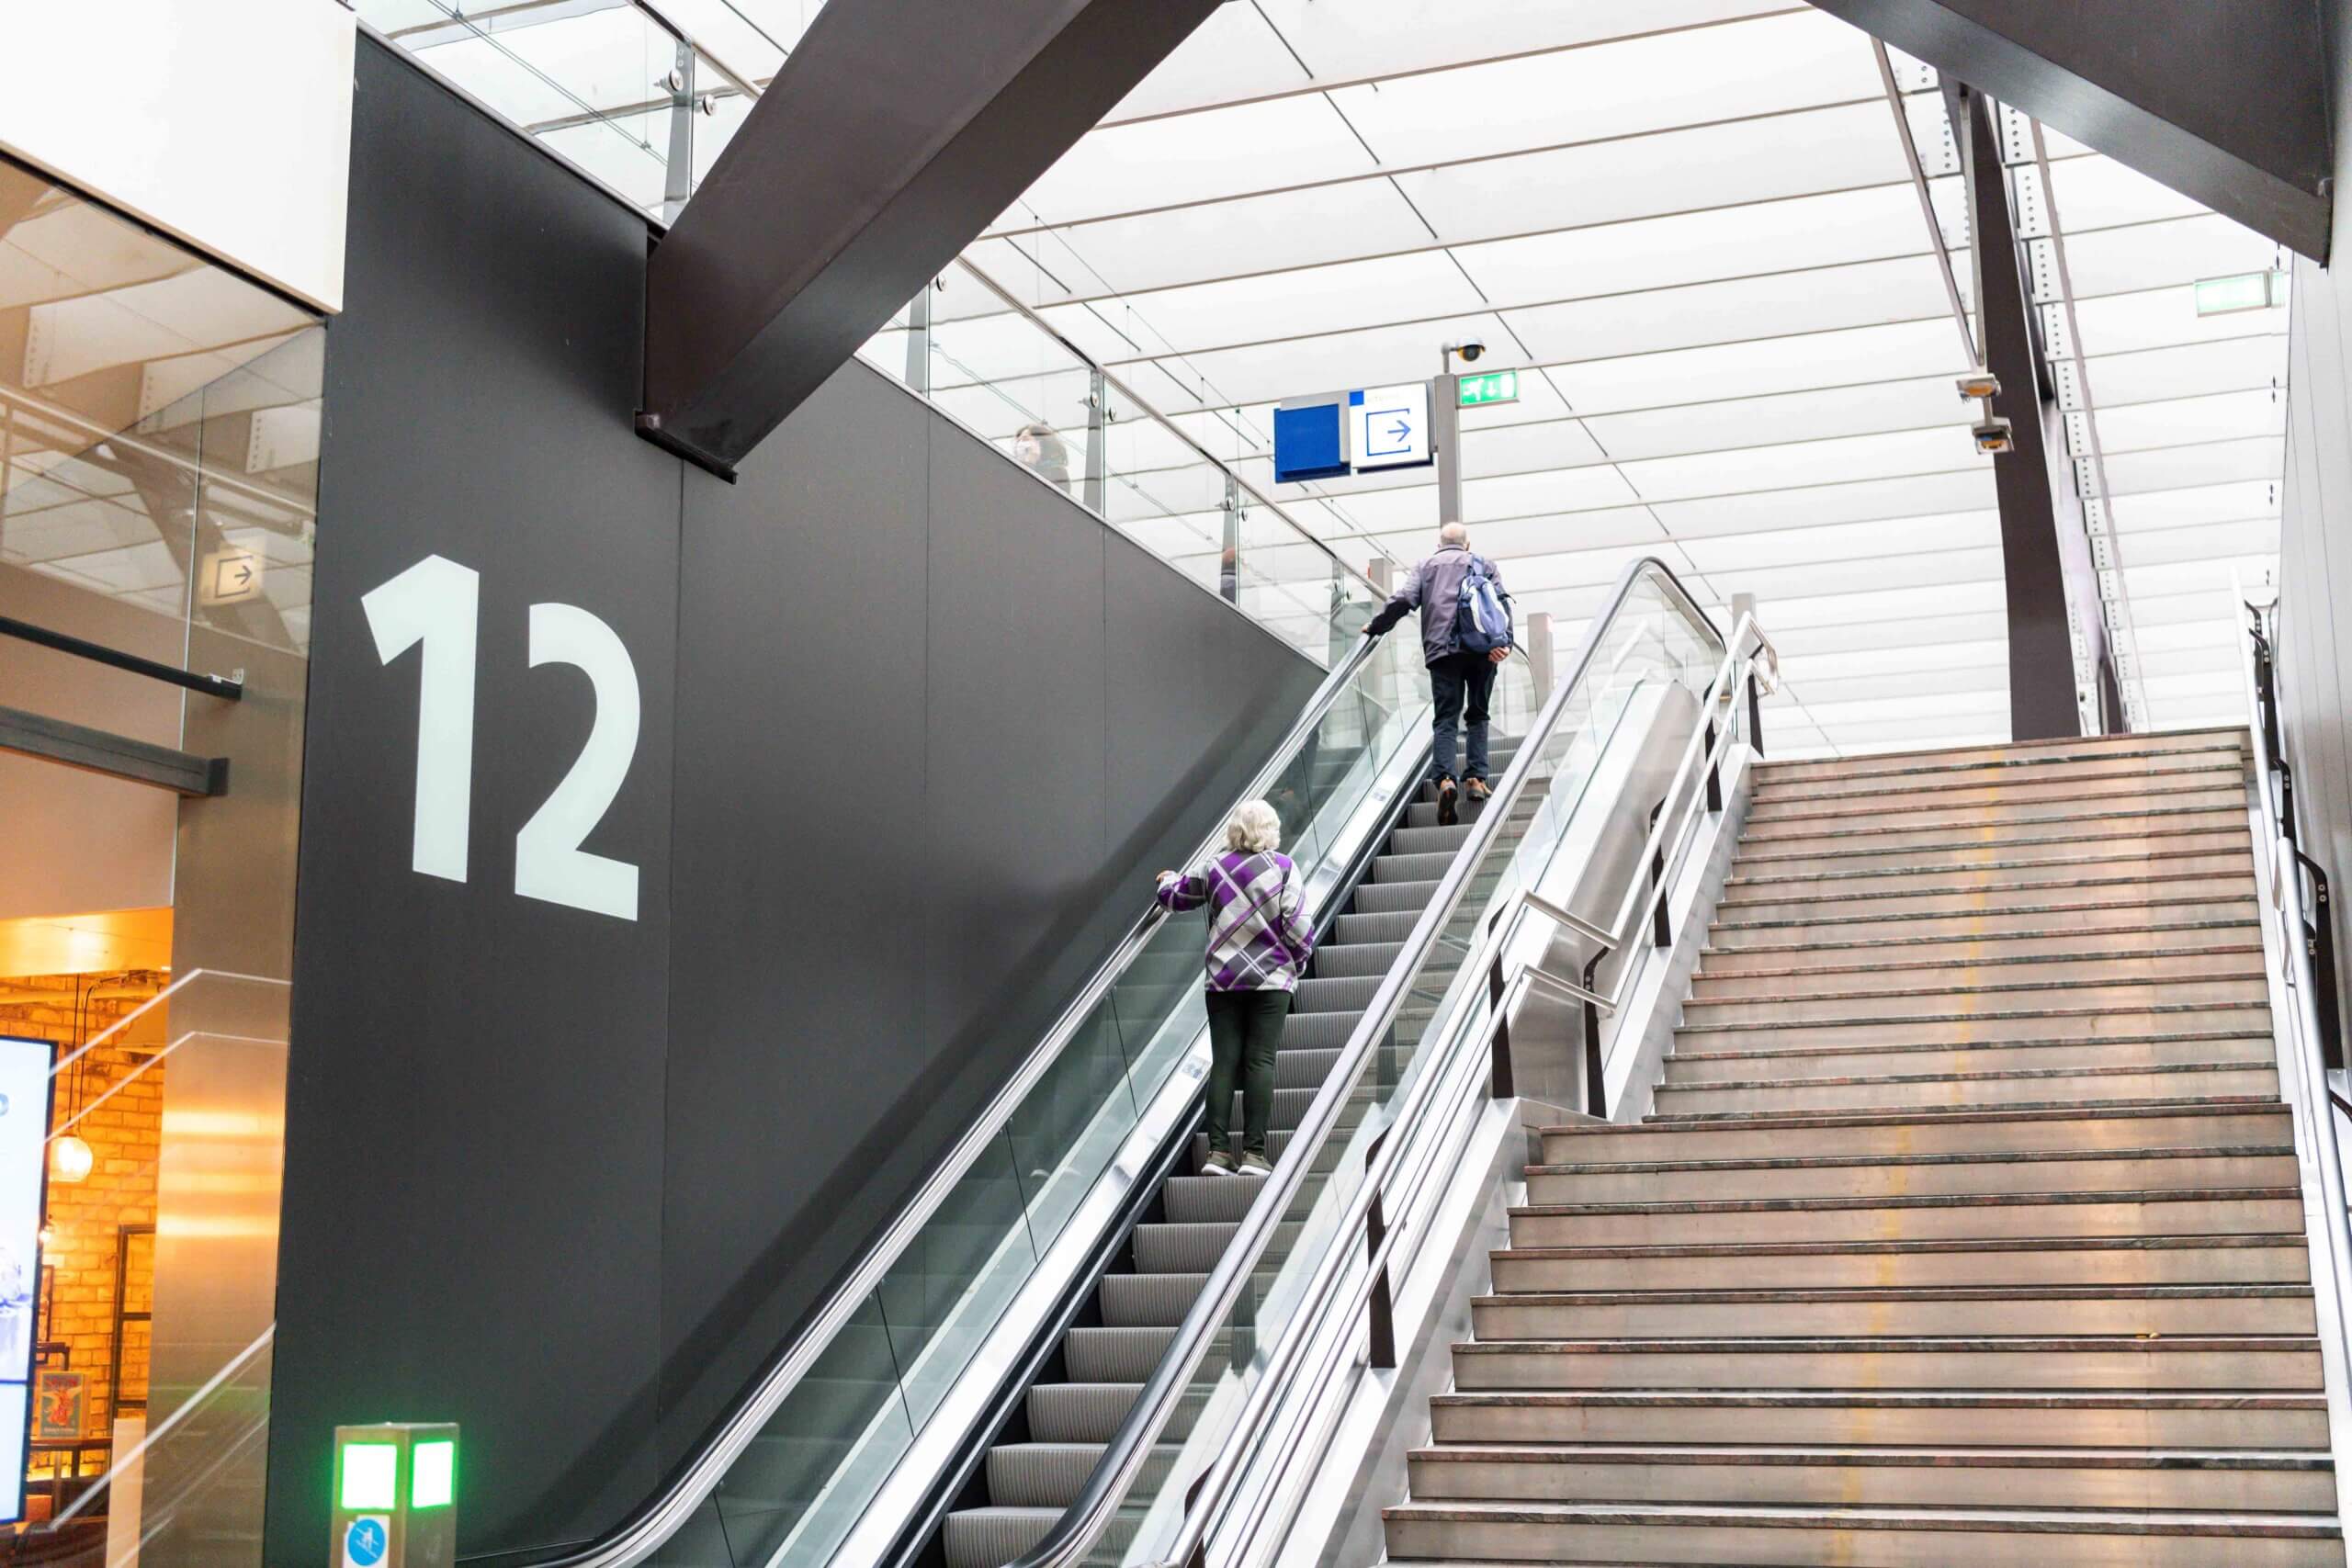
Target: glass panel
[
  {"x": 829, "y": 1448},
  {"x": 159, "y": 441}
]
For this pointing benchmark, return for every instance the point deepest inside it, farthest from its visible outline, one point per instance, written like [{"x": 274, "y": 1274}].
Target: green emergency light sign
[
  {"x": 395, "y": 1496},
  {"x": 2245, "y": 291},
  {"x": 1492, "y": 387}
]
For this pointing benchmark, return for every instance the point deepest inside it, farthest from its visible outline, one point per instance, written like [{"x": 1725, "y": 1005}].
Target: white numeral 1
[
  {"x": 437, "y": 603},
  {"x": 549, "y": 861}
]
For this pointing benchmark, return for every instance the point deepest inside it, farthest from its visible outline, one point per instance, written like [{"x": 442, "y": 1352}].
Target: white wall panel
[{"x": 228, "y": 125}]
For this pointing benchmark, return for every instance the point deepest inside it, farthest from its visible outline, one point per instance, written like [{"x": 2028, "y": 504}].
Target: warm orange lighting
[{"x": 70, "y": 1159}]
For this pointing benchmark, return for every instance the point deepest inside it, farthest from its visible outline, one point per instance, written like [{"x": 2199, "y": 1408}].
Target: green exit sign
[{"x": 1494, "y": 386}]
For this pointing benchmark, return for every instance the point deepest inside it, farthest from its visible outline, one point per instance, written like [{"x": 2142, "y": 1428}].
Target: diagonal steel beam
[
  {"x": 894, "y": 134},
  {"x": 2227, "y": 103}
]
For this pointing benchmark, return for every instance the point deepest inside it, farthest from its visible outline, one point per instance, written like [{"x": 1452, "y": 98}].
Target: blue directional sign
[
  {"x": 1391, "y": 426},
  {"x": 1309, "y": 442}
]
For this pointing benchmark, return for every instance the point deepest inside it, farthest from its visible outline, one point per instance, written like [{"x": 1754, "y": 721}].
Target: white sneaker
[
  {"x": 1255, "y": 1165},
  {"x": 1219, "y": 1164}
]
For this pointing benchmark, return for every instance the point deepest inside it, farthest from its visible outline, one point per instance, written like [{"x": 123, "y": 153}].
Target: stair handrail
[
  {"x": 2281, "y": 869},
  {"x": 662, "y": 1515},
  {"x": 1081, "y": 1525}
]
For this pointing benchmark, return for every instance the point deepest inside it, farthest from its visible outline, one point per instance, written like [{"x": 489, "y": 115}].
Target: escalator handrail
[
  {"x": 664, "y": 1514},
  {"x": 1082, "y": 1524}
]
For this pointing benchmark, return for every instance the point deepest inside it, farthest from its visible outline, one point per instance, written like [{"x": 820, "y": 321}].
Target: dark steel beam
[
  {"x": 117, "y": 756},
  {"x": 2225, "y": 103},
  {"x": 896, "y": 132},
  {"x": 2033, "y": 564}
]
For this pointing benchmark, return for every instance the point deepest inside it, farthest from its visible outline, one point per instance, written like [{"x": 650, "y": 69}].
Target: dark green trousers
[{"x": 1245, "y": 1030}]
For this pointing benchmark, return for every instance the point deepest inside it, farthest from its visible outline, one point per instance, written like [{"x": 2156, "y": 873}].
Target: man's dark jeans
[{"x": 1457, "y": 679}]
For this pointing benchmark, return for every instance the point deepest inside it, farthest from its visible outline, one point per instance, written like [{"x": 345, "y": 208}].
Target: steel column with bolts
[
  {"x": 2033, "y": 568},
  {"x": 859, "y": 175}
]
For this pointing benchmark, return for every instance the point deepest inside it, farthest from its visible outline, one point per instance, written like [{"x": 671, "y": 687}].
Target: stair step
[
  {"x": 1907, "y": 1133},
  {"x": 1867, "y": 1024},
  {"x": 2034, "y": 920},
  {"x": 2065, "y": 803},
  {"x": 2066, "y": 750},
  {"x": 2020, "y": 1261},
  {"x": 2196, "y": 1080},
  {"x": 1907, "y": 1174},
  {"x": 1751, "y": 882},
  {"x": 1976, "y": 993},
  {"x": 1771, "y": 781},
  {"x": 1880, "y": 795},
  {"x": 2219, "y": 1481},
  {"x": 2102, "y": 1363},
  {"x": 1926, "y": 1216},
  {"x": 2054, "y": 894},
  {"x": 1827, "y": 836},
  {"x": 1877, "y": 1416},
  {"x": 1900, "y": 1310},
  {"x": 1574, "y": 1534},
  {"x": 1797, "y": 1064},
  {"x": 2090, "y": 956},
  {"x": 1975, "y": 853}
]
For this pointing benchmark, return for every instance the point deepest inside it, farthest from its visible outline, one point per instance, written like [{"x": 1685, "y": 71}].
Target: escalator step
[
  {"x": 1394, "y": 898},
  {"x": 1090, "y": 1412},
  {"x": 1149, "y": 1300},
  {"x": 1431, "y": 840},
  {"x": 1211, "y": 1199},
  {"x": 1345, "y": 959},
  {"x": 1392, "y": 929},
  {"x": 1352, "y": 994},
  {"x": 1051, "y": 1475},
  {"x": 1319, "y": 1031}
]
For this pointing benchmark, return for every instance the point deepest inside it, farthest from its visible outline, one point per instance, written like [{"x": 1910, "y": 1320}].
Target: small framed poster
[{"x": 61, "y": 1403}]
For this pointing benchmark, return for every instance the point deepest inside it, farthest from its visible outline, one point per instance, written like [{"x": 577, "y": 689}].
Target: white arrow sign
[{"x": 1391, "y": 426}]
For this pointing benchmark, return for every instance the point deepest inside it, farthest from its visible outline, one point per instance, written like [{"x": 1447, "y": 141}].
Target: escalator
[
  {"x": 1035, "y": 1360},
  {"x": 1040, "y": 1460}
]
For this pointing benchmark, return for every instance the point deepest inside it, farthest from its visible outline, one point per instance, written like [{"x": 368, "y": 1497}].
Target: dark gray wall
[
  {"x": 914, "y": 729},
  {"x": 2315, "y": 542}
]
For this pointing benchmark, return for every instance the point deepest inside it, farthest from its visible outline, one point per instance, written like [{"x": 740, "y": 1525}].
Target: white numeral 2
[
  {"x": 437, "y": 602},
  {"x": 549, "y": 861}
]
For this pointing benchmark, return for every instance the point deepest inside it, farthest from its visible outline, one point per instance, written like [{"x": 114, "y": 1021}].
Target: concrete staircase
[{"x": 1967, "y": 1228}]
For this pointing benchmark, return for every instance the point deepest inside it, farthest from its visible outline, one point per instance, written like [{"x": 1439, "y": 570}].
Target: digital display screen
[{"x": 24, "y": 1141}]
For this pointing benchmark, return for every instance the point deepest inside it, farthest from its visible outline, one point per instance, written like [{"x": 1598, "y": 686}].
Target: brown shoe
[
  {"x": 1449, "y": 810},
  {"x": 1476, "y": 790}
]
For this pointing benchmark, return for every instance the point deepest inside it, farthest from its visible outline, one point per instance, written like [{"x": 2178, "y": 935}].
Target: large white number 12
[{"x": 437, "y": 602}]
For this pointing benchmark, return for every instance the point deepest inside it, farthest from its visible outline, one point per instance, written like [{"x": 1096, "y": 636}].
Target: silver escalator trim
[
  {"x": 662, "y": 1517},
  {"x": 1075, "y": 1535}
]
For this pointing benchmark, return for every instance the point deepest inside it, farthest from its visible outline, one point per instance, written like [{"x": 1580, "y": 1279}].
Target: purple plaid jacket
[{"x": 1259, "y": 939}]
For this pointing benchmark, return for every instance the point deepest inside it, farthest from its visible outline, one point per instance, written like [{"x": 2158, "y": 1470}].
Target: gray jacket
[{"x": 1435, "y": 588}]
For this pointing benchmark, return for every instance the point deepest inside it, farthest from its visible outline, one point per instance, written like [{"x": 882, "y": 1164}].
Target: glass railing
[
  {"x": 1192, "y": 1415},
  {"x": 982, "y": 356},
  {"x": 641, "y": 96},
  {"x": 816, "y": 1465}
]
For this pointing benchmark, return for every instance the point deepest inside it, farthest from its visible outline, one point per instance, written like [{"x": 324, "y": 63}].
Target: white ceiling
[{"x": 1689, "y": 223}]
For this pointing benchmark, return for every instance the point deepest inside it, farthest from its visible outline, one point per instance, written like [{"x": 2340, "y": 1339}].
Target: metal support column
[
  {"x": 919, "y": 340},
  {"x": 1229, "y": 560},
  {"x": 1540, "y": 657},
  {"x": 1445, "y": 439},
  {"x": 2041, "y": 653},
  {"x": 1098, "y": 444},
  {"x": 678, "y": 171}
]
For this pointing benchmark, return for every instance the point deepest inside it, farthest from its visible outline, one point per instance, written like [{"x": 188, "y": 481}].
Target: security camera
[{"x": 1471, "y": 350}]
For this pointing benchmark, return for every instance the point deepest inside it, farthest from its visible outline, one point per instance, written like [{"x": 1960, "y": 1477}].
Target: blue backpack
[{"x": 1481, "y": 625}]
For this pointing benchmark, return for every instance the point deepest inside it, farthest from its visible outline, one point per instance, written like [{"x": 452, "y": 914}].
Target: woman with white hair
[{"x": 1258, "y": 943}]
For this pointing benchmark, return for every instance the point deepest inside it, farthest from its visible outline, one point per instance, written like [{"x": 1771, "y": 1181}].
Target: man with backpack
[{"x": 1466, "y": 636}]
